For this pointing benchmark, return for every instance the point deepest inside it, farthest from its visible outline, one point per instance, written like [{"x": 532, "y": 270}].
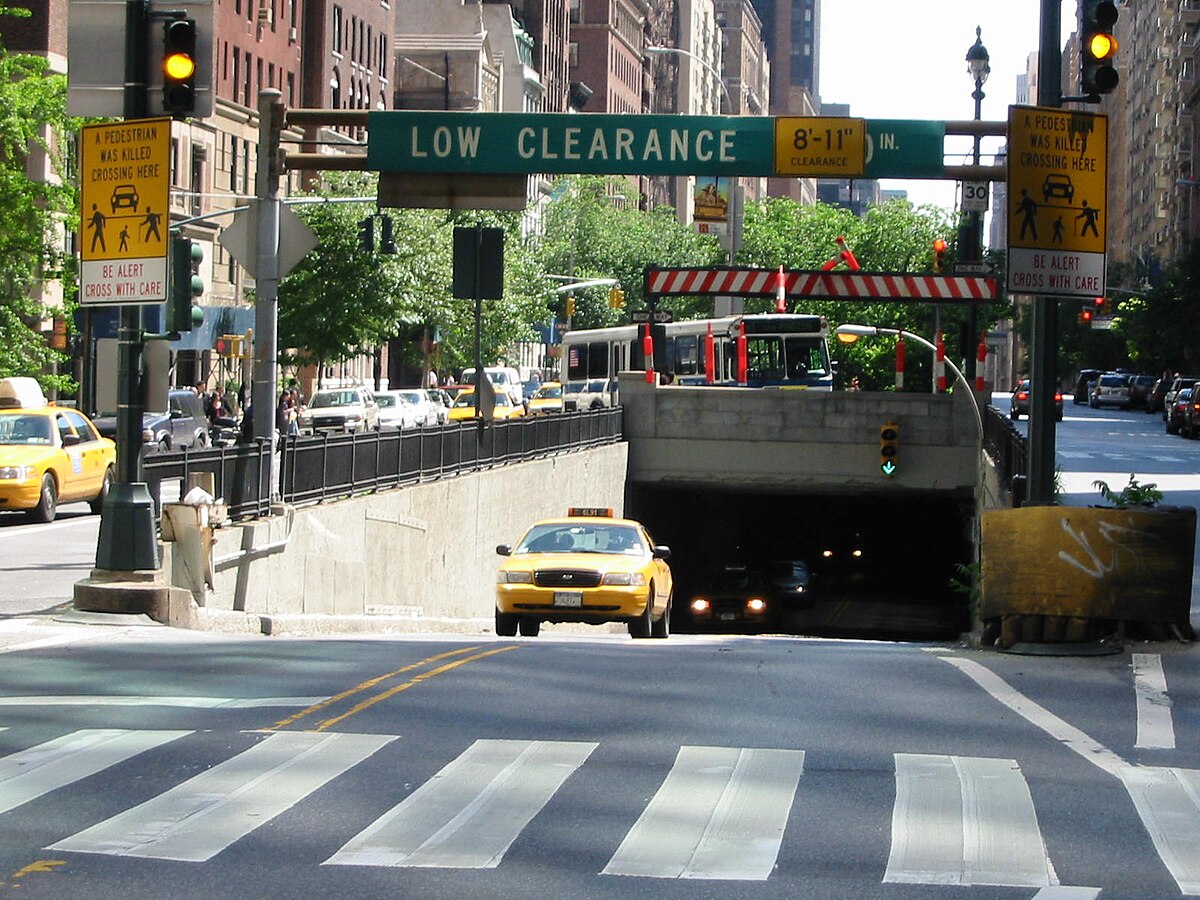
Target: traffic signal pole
[
  {"x": 127, "y": 540},
  {"x": 266, "y": 302},
  {"x": 1042, "y": 373}
]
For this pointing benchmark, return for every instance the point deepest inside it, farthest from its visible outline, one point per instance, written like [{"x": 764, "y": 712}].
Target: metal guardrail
[
  {"x": 333, "y": 466},
  {"x": 1008, "y": 448}
]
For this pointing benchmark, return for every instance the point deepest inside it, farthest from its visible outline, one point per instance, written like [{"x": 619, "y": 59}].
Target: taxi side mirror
[
  {"x": 70, "y": 440},
  {"x": 662, "y": 552},
  {"x": 504, "y": 550}
]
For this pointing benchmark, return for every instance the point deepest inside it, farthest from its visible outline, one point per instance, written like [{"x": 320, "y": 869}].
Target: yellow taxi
[
  {"x": 547, "y": 399},
  {"x": 49, "y": 454},
  {"x": 464, "y": 407},
  {"x": 588, "y": 567}
]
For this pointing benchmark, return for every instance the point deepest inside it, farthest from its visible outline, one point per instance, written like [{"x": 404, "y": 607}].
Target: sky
[{"x": 906, "y": 59}]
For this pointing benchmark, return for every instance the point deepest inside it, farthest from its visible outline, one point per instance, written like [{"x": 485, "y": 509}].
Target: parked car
[
  {"x": 1083, "y": 378},
  {"x": 351, "y": 409},
  {"x": 442, "y": 401},
  {"x": 505, "y": 378},
  {"x": 1175, "y": 412},
  {"x": 594, "y": 393},
  {"x": 396, "y": 410},
  {"x": 182, "y": 424},
  {"x": 1178, "y": 383},
  {"x": 1140, "y": 387},
  {"x": 464, "y": 407},
  {"x": 1111, "y": 390},
  {"x": 1154, "y": 402},
  {"x": 1021, "y": 401},
  {"x": 547, "y": 399},
  {"x": 1189, "y": 425}
]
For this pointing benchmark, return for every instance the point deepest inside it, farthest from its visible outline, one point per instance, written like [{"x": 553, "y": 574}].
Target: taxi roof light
[{"x": 591, "y": 512}]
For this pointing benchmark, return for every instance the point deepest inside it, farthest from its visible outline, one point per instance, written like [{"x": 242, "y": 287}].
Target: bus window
[
  {"x": 686, "y": 352},
  {"x": 764, "y": 359},
  {"x": 577, "y": 362}
]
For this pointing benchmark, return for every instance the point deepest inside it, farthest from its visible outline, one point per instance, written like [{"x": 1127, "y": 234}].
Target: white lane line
[
  {"x": 720, "y": 814},
  {"x": 199, "y": 818},
  {"x": 470, "y": 812},
  {"x": 1155, "y": 728},
  {"x": 1062, "y": 892},
  {"x": 964, "y": 820},
  {"x": 1070, "y": 736},
  {"x": 29, "y": 774},
  {"x": 143, "y": 700},
  {"x": 1168, "y": 800}
]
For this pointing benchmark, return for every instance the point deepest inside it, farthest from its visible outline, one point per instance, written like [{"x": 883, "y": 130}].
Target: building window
[
  {"x": 576, "y": 14},
  {"x": 337, "y": 29}
]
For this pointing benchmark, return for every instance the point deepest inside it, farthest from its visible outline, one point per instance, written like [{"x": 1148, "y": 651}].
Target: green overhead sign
[{"x": 603, "y": 144}]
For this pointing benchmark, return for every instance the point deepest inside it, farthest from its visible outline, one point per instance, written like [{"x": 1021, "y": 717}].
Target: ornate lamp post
[{"x": 978, "y": 67}]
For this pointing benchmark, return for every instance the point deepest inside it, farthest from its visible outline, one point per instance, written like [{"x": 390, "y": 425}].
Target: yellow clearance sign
[
  {"x": 124, "y": 175},
  {"x": 1057, "y": 201},
  {"x": 812, "y": 147}
]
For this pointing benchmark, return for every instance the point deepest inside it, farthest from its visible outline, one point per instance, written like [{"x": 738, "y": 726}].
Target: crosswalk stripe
[
  {"x": 1155, "y": 726},
  {"x": 965, "y": 820},
  {"x": 29, "y": 774},
  {"x": 151, "y": 700},
  {"x": 1168, "y": 802},
  {"x": 720, "y": 814},
  {"x": 199, "y": 818},
  {"x": 471, "y": 811}
]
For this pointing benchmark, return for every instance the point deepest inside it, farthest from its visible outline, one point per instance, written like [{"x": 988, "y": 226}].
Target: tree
[{"x": 33, "y": 121}]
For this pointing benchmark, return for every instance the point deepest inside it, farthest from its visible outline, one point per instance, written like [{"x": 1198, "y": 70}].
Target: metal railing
[
  {"x": 333, "y": 466},
  {"x": 1008, "y": 448}
]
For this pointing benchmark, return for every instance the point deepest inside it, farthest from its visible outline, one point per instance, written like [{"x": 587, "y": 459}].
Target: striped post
[
  {"x": 940, "y": 364},
  {"x": 743, "y": 362},
  {"x": 980, "y": 359},
  {"x": 710, "y": 357},
  {"x": 900, "y": 363},
  {"x": 780, "y": 293},
  {"x": 648, "y": 352}
]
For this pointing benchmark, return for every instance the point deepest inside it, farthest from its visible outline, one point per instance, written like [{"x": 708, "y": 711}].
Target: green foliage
[
  {"x": 1133, "y": 494},
  {"x": 33, "y": 122},
  {"x": 1159, "y": 326}
]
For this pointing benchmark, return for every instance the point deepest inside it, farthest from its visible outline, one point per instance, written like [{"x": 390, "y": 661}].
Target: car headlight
[
  {"x": 147, "y": 436},
  {"x": 17, "y": 473},
  {"x": 756, "y": 605},
  {"x": 354, "y": 417},
  {"x": 700, "y": 605},
  {"x": 626, "y": 578},
  {"x": 514, "y": 578}
]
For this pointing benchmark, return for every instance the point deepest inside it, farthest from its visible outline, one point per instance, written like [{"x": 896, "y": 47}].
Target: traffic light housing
[
  {"x": 387, "y": 238},
  {"x": 1098, "y": 47},
  {"x": 179, "y": 67},
  {"x": 889, "y": 448},
  {"x": 570, "y": 305},
  {"x": 616, "y": 298},
  {"x": 186, "y": 284},
  {"x": 939, "y": 255},
  {"x": 366, "y": 234}
]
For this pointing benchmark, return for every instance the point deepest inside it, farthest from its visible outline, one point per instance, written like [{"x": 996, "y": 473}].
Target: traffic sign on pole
[
  {"x": 808, "y": 147},
  {"x": 1057, "y": 201},
  {"x": 124, "y": 186}
]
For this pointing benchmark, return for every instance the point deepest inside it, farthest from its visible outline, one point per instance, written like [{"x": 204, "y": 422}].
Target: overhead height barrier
[{"x": 799, "y": 284}]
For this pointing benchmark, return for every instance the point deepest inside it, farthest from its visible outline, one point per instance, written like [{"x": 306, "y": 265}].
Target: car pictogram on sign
[
  {"x": 124, "y": 196},
  {"x": 1058, "y": 186}
]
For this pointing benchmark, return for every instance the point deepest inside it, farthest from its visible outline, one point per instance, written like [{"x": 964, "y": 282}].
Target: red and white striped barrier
[
  {"x": 980, "y": 359},
  {"x": 900, "y": 363},
  {"x": 747, "y": 282},
  {"x": 939, "y": 366},
  {"x": 648, "y": 352}
]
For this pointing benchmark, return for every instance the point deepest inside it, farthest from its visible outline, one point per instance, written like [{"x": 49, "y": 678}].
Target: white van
[{"x": 505, "y": 378}]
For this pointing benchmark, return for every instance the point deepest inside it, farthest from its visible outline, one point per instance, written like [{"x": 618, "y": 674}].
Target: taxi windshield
[
  {"x": 18, "y": 429},
  {"x": 581, "y": 538}
]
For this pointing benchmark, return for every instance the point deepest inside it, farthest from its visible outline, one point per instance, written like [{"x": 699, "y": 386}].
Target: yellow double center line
[{"x": 390, "y": 692}]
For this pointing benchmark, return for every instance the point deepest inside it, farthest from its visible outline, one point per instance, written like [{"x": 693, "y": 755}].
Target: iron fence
[
  {"x": 1008, "y": 448},
  {"x": 333, "y": 466}
]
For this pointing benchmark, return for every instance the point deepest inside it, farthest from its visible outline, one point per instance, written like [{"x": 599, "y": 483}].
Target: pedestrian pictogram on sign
[
  {"x": 124, "y": 176},
  {"x": 1057, "y": 195}
]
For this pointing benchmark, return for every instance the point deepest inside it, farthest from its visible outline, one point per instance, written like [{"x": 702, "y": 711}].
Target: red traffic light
[
  {"x": 939, "y": 255},
  {"x": 1085, "y": 315}
]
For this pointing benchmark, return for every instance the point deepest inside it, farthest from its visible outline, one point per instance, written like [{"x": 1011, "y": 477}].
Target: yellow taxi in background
[
  {"x": 49, "y": 454},
  {"x": 588, "y": 567},
  {"x": 464, "y": 407},
  {"x": 547, "y": 399}
]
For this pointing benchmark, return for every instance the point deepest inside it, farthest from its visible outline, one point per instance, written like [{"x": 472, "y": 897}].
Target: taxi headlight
[
  {"x": 700, "y": 605},
  {"x": 17, "y": 473},
  {"x": 625, "y": 578},
  {"x": 514, "y": 578},
  {"x": 147, "y": 436}
]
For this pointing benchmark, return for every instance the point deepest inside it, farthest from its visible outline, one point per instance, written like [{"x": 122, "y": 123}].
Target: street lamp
[
  {"x": 849, "y": 333},
  {"x": 703, "y": 62},
  {"x": 978, "y": 67}
]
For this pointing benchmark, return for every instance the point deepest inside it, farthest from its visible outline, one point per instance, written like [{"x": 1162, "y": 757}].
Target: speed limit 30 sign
[{"x": 975, "y": 196}]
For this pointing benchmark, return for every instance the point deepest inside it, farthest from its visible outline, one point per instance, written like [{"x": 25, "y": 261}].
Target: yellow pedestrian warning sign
[
  {"x": 1057, "y": 201},
  {"x": 124, "y": 188}
]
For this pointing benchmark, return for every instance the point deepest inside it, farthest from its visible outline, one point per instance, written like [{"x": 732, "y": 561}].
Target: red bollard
[
  {"x": 648, "y": 352},
  {"x": 780, "y": 293},
  {"x": 900, "y": 364},
  {"x": 940, "y": 364},
  {"x": 743, "y": 363},
  {"x": 710, "y": 357},
  {"x": 980, "y": 359}
]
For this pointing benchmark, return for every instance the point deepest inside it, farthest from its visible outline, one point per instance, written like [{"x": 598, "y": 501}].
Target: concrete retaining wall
[{"x": 416, "y": 558}]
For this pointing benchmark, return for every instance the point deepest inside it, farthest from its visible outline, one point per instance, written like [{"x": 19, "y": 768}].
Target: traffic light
[
  {"x": 387, "y": 240},
  {"x": 889, "y": 448},
  {"x": 1100, "y": 310},
  {"x": 186, "y": 284},
  {"x": 230, "y": 346},
  {"x": 1085, "y": 316},
  {"x": 366, "y": 235},
  {"x": 939, "y": 255},
  {"x": 570, "y": 306},
  {"x": 1097, "y": 47},
  {"x": 616, "y": 298},
  {"x": 179, "y": 67}
]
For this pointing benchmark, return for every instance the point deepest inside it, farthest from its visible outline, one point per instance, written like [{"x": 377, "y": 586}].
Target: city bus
[{"x": 783, "y": 350}]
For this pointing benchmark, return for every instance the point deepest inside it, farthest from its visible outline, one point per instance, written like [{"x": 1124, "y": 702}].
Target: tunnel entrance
[{"x": 822, "y": 563}]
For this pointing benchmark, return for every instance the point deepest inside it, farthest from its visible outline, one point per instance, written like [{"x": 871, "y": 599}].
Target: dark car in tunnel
[{"x": 733, "y": 597}]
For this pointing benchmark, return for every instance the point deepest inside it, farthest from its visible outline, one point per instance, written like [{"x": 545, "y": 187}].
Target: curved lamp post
[
  {"x": 978, "y": 67},
  {"x": 703, "y": 62}
]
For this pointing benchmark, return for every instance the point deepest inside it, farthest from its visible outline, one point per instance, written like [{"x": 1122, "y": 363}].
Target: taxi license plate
[{"x": 568, "y": 598}]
